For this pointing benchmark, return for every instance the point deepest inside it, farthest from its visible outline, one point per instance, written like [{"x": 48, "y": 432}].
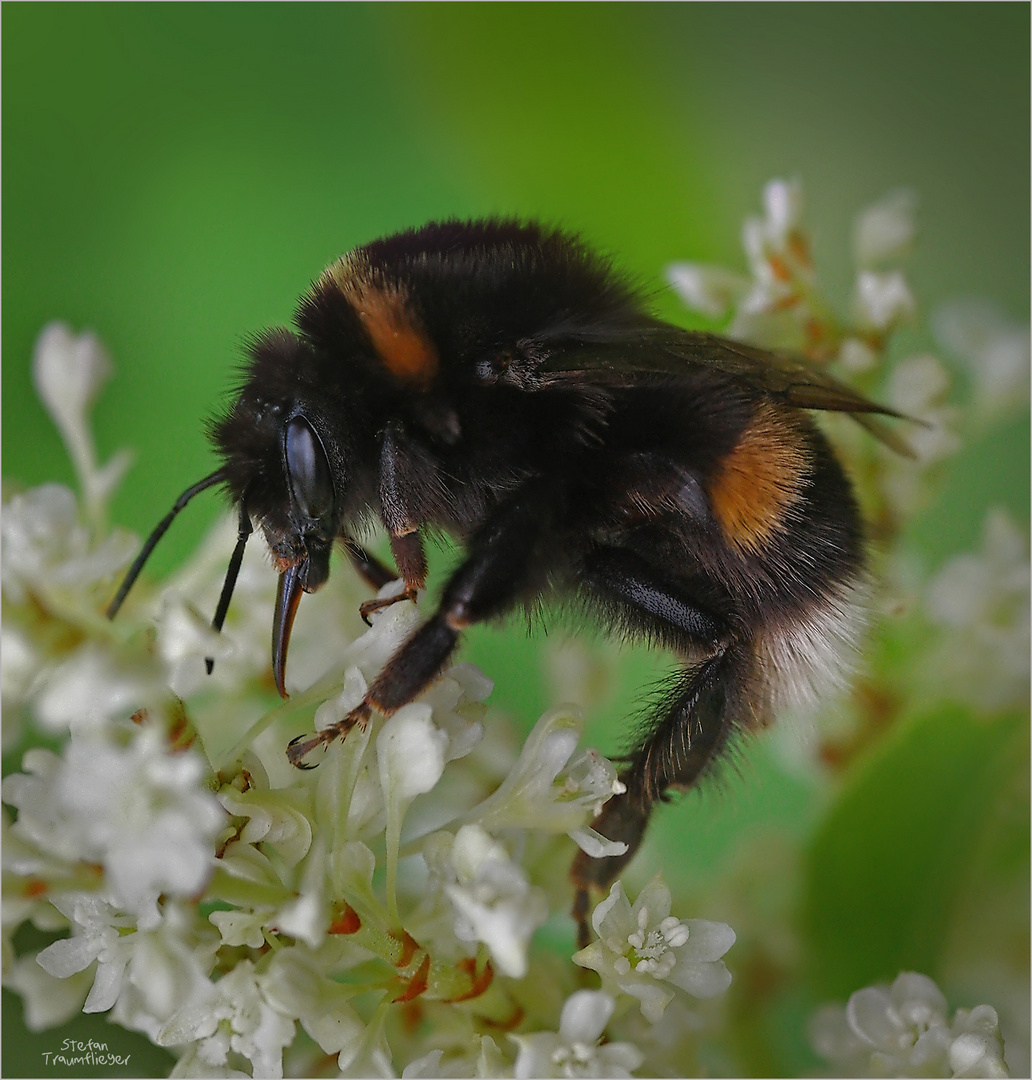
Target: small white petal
[
  {"x": 710, "y": 290},
  {"x": 882, "y": 300},
  {"x": 612, "y": 916},
  {"x": 306, "y": 919},
  {"x": 585, "y": 1015},
  {"x": 238, "y": 928},
  {"x": 595, "y": 844},
  {"x": 856, "y": 357},
  {"x": 429, "y": 1065},
  {"x": 68, "y": 371},
  {"x": 872, "y": 1018},
  {"x": 783, "y": 202},
  {"x": 68, "y": 956},
  {"x": 918, "y": 1001},
  {"x": 411, "y": 752},
  {"x": 884, "y": 232},
  {"x": 47, "y": 1001},
  {"x": 106, "y": 986}
]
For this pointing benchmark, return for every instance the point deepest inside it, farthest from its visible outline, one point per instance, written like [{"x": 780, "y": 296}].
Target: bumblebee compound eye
[{"x": 308, "y": 470}]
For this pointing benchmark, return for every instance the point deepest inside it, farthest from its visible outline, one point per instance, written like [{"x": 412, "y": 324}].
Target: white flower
[
  {"x": 296, "y": 984},
  {"x": 48, "y": 552},
  {"x": 772, "y": 241},
  {"x": 882, "y": 300},
  {"x": 493, "y": 901},
  {"x": 537, "y": 794},
  {"x": 883, "y": 232},
  {"x": 575, "y": 1049},
  {"x": 772, "y": 306},
  {"x": 919, "y": 386},
  {"x": 456, "y": 701},
  {"x": 710, "y": 290},
  {"x": 99, "y": 933},
  {"x": 410, "y": 751},
  {"x": 183, "y": 610},
  {"x": 278, "y": 818},
  {"x": 168, "y": 967},
  {"x": 137, "y": 809},
  {"x": 483, "y": 1059},
  {"x": 237, "y": 1016},
  {"x": 856, "y": 356},
  {"x": 391, "y": 627},
  {"x": 984, "y": 598},
  {"x": 994, "y": 348},
  {"x": 47, "y": 1001},
  {"x": 646, "y": 952},
  {"x": 186, "y": 639},
  {"x": 68, "y": 372},
  {"x": 370, "y": 1054},
  {"x": 238, "y": 927},
  {"x": 21, "y": 664},
  {"x": 783, "y": 211},
  {"x": 92, "y": 687},
  {"x": 904, "y": 1030}
]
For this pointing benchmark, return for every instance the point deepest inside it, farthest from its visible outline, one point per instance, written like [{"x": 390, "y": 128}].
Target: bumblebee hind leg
[{"x": 710, "y": 700}]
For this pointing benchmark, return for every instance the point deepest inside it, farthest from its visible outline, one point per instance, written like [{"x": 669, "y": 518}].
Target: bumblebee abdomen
[
  {"x": 756, "y": 486},
  {"x": 783, "y": 505},
  {"x": 795, "y": 528}
]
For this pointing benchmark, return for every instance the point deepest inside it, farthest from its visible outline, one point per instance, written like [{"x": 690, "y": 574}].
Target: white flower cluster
[
  {"x": 981, "y": 600},
  {"x": 644, "y": 951},
  {"x": 68, "y": 372},
  {"x": 905, "y": 1030},
  {"x": 397, "y": 909},
  {"x": 779, "y": 306},
  {"x": 994, "y": 350},
  {"x": 254, "y": 918},
  {"x": 134, "y": 810}
]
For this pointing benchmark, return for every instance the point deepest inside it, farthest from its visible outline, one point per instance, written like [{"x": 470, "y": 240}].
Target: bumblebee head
[
  {"x": 284, "y": 471},
  {"x": 281, "y": 471}
]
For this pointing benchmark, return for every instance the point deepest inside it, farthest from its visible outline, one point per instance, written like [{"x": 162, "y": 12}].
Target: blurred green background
[{"x": 175, "y": 175}]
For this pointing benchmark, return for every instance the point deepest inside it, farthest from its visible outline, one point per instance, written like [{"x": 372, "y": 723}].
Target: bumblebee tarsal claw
[{"x": 300, "y": 747}]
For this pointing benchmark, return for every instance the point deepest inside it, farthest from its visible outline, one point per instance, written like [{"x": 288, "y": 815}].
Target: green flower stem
[{"x": 243, "y": 893}]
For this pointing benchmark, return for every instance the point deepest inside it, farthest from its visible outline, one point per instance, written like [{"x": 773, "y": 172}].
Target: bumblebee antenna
[
  {"x": 159, "y": 531},
  {"x": 243, "y": 532}
]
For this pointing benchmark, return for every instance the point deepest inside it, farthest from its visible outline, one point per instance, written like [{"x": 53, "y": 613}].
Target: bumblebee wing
[{"x": 653, "y": 354}]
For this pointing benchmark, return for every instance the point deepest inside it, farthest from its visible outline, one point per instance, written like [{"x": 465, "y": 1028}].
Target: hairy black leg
[
  {"x": 678, "y": 748},
  {"x": 398, "y": 503},
  {"x": 377, "y": 574},
  {"x": 410, "y": 558},
  {"x": 374, "y": 572},
  {"x": 499, "y": 567}
]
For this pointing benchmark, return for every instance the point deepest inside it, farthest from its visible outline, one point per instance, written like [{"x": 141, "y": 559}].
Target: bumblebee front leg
[
  {"x": 497, "y": 570},
  {"x": 374, "y": 572},
  {"x": 410, "y": 559},
  {"x": 396, "y": 501}
]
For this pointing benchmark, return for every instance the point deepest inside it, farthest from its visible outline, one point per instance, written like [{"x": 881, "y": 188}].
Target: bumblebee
[{"x": 498, "y": 381}]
